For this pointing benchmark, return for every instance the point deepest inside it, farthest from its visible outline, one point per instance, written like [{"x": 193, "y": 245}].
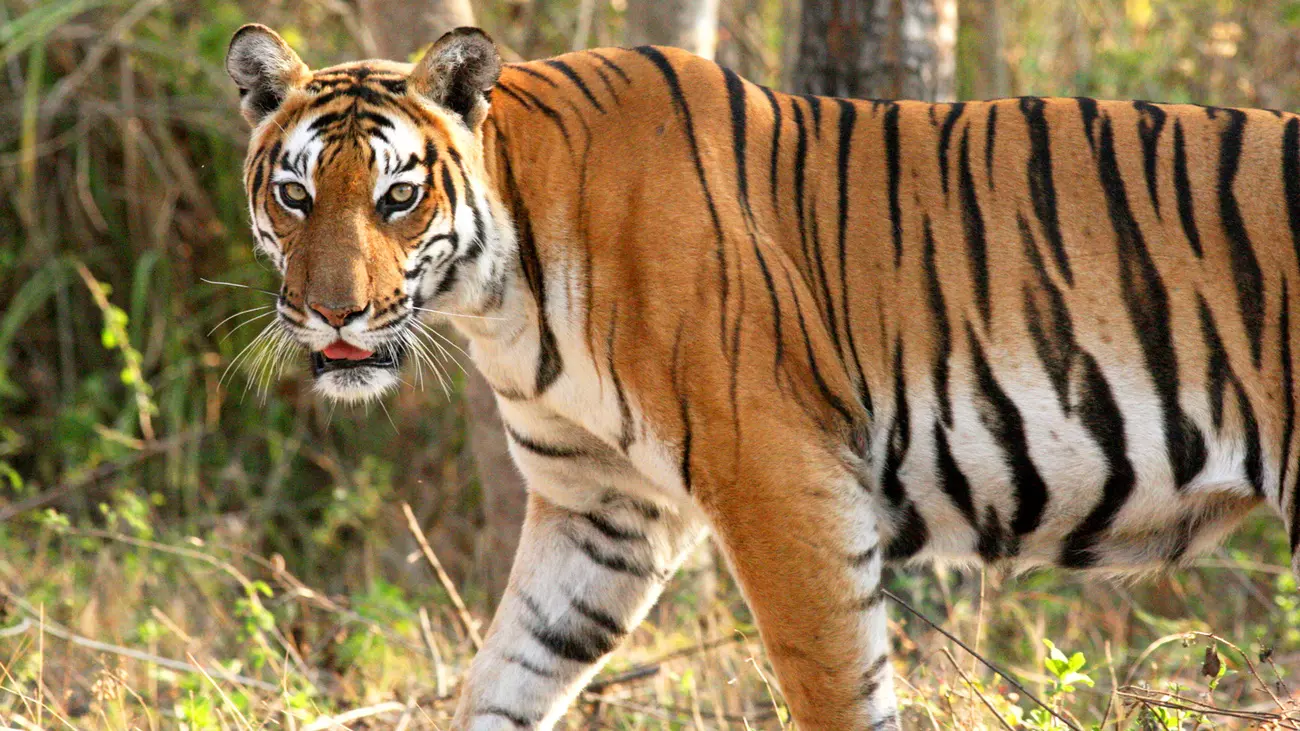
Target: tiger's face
[{"x": 366, "y": 189}]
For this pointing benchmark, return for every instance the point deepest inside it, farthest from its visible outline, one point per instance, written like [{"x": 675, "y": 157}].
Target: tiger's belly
[{"x": 1011, "y": 471}]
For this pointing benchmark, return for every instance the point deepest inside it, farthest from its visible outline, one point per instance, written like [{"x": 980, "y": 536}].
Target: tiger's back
[{"x": 1063, "y": 319}]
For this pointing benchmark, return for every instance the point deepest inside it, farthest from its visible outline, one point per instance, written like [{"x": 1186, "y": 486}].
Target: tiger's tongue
[{"x": 339, "y": 350}]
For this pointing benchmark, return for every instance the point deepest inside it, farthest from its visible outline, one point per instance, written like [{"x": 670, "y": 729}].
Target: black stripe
[
  {"x": 739, "y": 120},
  {"x": 900, "y": 433},
  {"x": 972, "y": 223},
  {"x": 597, "y": 616},
  {"x": 776, "y": 143},
  {"x": 1291, "y": 179},
  {"x": 1245, "y": 267},
  {"x": 612, "y": 66},
  {"x": 870, "y": 601},
  {"x": 835, "y": 401},
  {"x": 952, "y": 480},
  {"x": 778, "y": 339},
  {"x": 1288, "y": 391},
  {"x": 1002, "y": 419},
  {"x": 609, "y": 85},
  {"x": 515, "y": 719},
  {"x": 549, "y": 361},
  {"x": 1217, "y": 374},
  {"x": 893, "y": 162},
  {"x": 1088, "y": 113},
  {"x": 611, "y": 561},
  {"x": 990, "y": 138},
  {"x": 610, "y": 530},
  {"x": 573, "y": 76},
  {"x": 1151, "y": 122},
  {"x": 449, "y": 189},
  {"x": 683, "y": 111},
  {"x": 1250, "y": 430},
  {"x": 828, "y": 306},
  {"x": 1103, "y": 419},
  {"x": 259, "y": 177},
  {"x": 1148, "y": 307},
  {"x": 626, "y": 425},
  {"x": 1042, "y": 189},
  {"x": 858, "y": 560},
  {"x": 583, "y": 647},
  {"x": 1183, "y": 191},
  {"x": 1048, "y": 320},
  {"x": 800, "y": 165},
  {"x": 513, "y": 95},
  {"x": 941, "y": 328},
  {"x": 871, "y": 683},
  {"x": 536, "y": 74},
  {"x": 847, "y": 118},
  {"x": 814, "y": 108},
  {"x": 530, "y": 667},
  {"x": 945, "y": 140},
  {"x": 683, "y": 408},
  {"x": 545, "y": 450},
  {"x": 547, "y": 110},
  {"x": 995, "y": 541},
  {"x": 910, "y": 536}
]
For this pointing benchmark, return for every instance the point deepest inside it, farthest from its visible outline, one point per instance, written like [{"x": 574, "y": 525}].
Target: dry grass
[{"x": 104, "y": 629}]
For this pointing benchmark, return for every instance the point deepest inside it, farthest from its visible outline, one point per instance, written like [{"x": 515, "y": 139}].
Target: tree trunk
[
  {"x": 689, "y": 24},
  {"x": 982, "y": 69},
  {"x": 878, "y": 49},
  {"x": 401, "y": 28}
]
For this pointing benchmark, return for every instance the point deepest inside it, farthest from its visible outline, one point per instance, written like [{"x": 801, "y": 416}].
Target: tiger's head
[{"x": 367, "y": 191}]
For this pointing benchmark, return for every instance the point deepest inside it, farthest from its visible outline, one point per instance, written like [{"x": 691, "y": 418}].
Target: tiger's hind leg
[{"x": 801, "y": 535}]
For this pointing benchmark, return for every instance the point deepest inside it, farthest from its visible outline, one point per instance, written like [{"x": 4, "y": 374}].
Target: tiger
[{"x": 834, "y": 334}]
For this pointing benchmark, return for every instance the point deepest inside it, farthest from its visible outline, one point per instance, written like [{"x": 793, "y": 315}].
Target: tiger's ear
[
  {"x": 264, "y": 68},
  {"x": 457, "y": 72}
]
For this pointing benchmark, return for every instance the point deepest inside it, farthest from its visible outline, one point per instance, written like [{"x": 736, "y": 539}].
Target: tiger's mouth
[
  {"x": 322, "y": 364},
  {"x": 358, "y": 379}
]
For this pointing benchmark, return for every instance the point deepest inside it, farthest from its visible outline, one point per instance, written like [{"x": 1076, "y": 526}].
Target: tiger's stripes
[{"x": 840, "y": 333}]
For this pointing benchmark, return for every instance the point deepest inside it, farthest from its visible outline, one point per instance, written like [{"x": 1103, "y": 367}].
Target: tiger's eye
[
  {"x": 401, "y": 193},
  {"x": 294, "y": 192}
]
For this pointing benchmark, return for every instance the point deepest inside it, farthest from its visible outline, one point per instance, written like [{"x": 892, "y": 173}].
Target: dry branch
[{"x": 447, "y": 584}]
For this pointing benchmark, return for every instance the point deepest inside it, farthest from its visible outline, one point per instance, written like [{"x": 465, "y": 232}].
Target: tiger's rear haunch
[{"x": 837, "y": 333}]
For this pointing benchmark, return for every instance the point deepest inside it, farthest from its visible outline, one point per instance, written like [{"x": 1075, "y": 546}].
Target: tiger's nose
[{"x": 339, "y": 316}]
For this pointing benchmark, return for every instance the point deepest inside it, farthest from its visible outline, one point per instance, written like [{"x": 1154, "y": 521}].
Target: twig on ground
[
  {"x": 640, "y": 672},
  {"x": 432, "y": 558},
  {"x": 1147, "y": 696},
  {"x": 221, "y": 692},
  {"x": 341, "y": 720},
  {"x": 435, "y": 655},
  {"x": 970, "y": 684},
  {"x": 651, "y": 668},
  {"x": 1004, "y": 675}
]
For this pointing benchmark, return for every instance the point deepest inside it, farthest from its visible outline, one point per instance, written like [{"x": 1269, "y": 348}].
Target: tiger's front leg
[{"x": 582, "y": 579}]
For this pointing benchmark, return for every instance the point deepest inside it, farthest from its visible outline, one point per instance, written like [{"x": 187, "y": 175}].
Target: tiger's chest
[{"x": 577, "y": 436}]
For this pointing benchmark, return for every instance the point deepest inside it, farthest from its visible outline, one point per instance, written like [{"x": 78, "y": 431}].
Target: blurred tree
[
  {"x": 878, "y": 49},
  {"x": 689, "y": 24},
  {"x": 981, "y": 64},
  {"x": 399, "y": 28},
  {"x": 402, "y": 28}
]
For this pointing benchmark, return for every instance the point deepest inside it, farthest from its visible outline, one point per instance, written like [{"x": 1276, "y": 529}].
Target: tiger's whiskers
[{"x": 238, "y": 286}]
